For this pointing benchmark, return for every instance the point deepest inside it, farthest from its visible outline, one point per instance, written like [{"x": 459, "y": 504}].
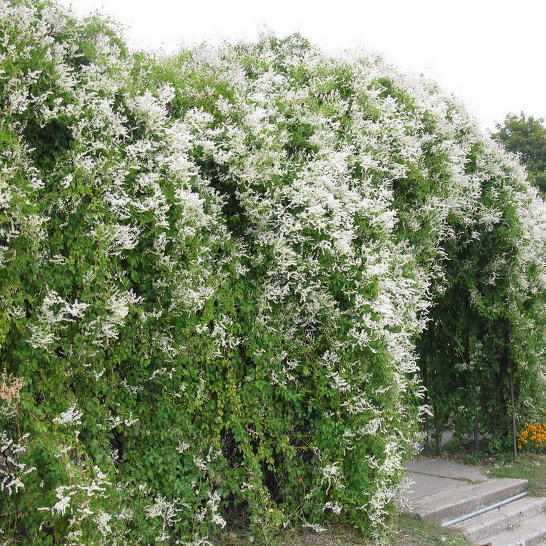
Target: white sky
[{"x": 490, "y": 53}]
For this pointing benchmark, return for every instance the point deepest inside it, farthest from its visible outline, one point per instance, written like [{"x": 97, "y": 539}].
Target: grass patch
[
  {"x": 337, "y": 535},
  {"x": 528, "y": 467},
  {"x": 410, "y": 531}
]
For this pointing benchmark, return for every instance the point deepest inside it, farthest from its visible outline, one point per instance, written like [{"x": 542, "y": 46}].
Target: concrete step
[
  {"x": 490, "y": 523},
  {"x": 451, "y": 504},
  {"x": 529, "y": 532}
]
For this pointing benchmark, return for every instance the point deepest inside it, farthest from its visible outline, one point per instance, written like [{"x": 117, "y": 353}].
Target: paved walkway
[{"x": 433, "y": 475}]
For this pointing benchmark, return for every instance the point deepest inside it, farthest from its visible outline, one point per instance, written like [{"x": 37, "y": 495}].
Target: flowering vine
[{"x": 218, "y": 276}]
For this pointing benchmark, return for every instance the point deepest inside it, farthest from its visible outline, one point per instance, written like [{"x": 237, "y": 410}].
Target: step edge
[
  {"x": 505, "y": 539},
  {"x": 501, "y": 483},
  {"x": 501, "y": 522},
  {"x": 537, "y": 533},
  {"x": 467, "y": 504},
  {"x": 532, "y": 507}
]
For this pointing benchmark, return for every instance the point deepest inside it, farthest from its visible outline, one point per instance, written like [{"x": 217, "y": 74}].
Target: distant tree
[{"x": 526, "y": 137}]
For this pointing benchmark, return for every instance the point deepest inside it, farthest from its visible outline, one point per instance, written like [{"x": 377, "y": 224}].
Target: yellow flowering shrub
[{"x": 532, "y": 437}]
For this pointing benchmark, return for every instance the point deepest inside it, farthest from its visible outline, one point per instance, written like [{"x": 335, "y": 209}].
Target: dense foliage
[
  {"x": 525, "y": 136},
  {"x": 216, "y": 275}
]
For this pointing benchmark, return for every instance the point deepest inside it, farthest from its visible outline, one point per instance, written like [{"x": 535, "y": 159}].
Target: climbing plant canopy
[{"x": 221, "y": 273}]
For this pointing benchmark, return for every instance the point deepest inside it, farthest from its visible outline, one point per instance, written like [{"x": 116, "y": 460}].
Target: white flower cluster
[
  {"x": 12, "y": 470},
  {"x": 76, "y": 500},
  {"x": 69, "y": 417},
  {"x": 54, "y": 315}
]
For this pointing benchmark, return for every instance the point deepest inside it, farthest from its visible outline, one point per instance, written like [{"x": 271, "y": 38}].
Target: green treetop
[{"x": 526, "y": 137}]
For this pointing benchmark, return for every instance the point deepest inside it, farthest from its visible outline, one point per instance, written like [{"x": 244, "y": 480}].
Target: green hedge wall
[{"x": 219, "y": 272}]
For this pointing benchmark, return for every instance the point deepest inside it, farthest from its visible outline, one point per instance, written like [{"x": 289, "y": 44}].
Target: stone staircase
[
  {"x": 500, "y": 521},
  {"x": 519, "y": 522}
]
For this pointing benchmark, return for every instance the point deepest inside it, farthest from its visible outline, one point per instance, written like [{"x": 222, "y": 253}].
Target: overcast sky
[{"x": 490, "y": 53}]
